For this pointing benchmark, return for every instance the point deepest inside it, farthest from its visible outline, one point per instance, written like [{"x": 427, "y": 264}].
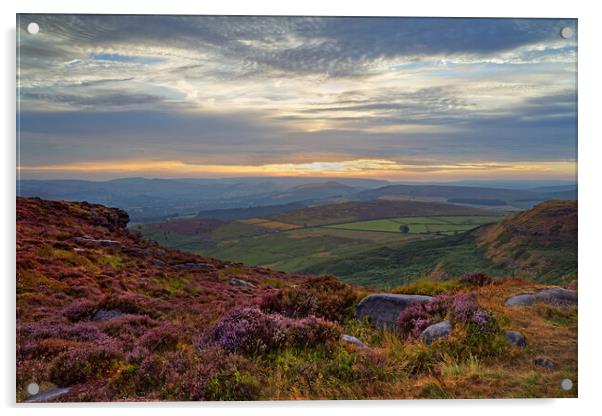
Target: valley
[
  {"x": 353, "y": 242},
  {"x": 298, "y": 240}
]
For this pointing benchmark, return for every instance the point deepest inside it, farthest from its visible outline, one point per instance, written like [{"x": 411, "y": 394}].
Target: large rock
[
  {"x": 383, "y": 308},
  {"x": 435, "y": 331},
  {"x": 554, "y": 296}
]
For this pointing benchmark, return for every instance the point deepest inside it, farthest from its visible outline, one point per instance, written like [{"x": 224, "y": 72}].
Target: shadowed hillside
[{"x": 366, "y": 210}]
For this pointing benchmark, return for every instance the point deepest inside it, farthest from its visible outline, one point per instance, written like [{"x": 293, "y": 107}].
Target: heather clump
[
  {"x": 420, "y": 315},
  {"x": 81, "y": 331},
  {"x": 128, "y": 327},
  {"x": 83, "y": 364},
  {"x": 324, "y": 296},
  {"x": 251, "y": 331},
  {"x": 465, "y": 309},
  {"x": 205, "y": 374},
  {"x": 80, "y": 310},
  {"x": 413, "y": 320},
  {"x": 475, "y": 279},
  {"x": 161, "y": 338},
  {"x": 133, "y": 303},
  {"x": 313, "y": 331},
  {"x": 477, "y": 326}
]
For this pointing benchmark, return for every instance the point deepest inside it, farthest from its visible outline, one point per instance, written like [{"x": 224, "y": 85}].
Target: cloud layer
[{"x": 280, "y": 91}]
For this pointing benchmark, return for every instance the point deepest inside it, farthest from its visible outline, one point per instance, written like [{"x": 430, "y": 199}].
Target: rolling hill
[
  {"x": 517, "y": 198},
  {"x": 368, "y": 210},
  {"x": 538, "y": 244},
  {"x": 146, "y": 200},
  {"x": 295, "y": 240}
]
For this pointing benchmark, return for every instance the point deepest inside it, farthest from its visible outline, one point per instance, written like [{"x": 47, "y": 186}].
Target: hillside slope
[
  {"x": 103, "y": 315},
  {"x": 367, "y": 210},
  {"x": 538, "y": 244},
  {"x": 520, "y": 198},
  {"x": 84, "y": 281}
]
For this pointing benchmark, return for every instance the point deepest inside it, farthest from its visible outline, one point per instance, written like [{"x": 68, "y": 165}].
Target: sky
[{"x": 415, "y": 99}]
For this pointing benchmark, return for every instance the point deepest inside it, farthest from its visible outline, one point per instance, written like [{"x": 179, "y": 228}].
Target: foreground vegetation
[{"x": 113, "y": 317}]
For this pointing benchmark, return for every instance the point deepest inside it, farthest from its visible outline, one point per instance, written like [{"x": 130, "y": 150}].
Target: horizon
[
  {"x": 400, "y": 99},
  {"x": 521, "y": 182}
]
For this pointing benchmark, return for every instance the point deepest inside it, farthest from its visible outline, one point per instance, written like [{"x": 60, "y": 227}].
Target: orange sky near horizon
[{"x": 360, "y": 168}]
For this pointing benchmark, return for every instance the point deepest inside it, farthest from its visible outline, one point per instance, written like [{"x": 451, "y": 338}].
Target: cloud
[
  {"x": 99, "y": 99},
  {"x": 251, "y": 91}
]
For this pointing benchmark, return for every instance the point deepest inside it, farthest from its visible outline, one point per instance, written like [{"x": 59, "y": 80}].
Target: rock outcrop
[
  {"x": 383, "y": 308},
  {"x": 553, "y": 296}
]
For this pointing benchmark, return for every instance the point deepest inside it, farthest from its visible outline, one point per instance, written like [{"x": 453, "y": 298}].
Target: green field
[
  {"x": 322, "y": 248},
  {"x": 420, "y": 225},
  {"x": 295, "y": 250}
]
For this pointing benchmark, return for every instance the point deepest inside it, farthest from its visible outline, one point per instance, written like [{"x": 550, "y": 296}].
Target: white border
[{"x": 590, "y": 176}]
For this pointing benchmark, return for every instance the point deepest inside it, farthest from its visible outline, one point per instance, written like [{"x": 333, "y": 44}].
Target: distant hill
[
  {"x": 538, "y": 244},
  {"x": 250, "y": 212},
  {"x": 445, "y": 192},
  {"x": 476, "y": 201},
  {"x": 147, "y": 200},
  {"x": 314, "y": 191},
  {"x": 367, "y": 210},
  {"x": 514, "y": 197},
  {"x": 554, "y": 188}
]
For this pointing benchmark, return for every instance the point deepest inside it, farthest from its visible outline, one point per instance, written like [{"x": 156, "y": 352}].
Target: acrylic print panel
[{"x": 274, "y": 208}]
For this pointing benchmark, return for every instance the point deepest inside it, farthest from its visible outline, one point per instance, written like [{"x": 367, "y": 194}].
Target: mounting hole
[
  {"x": 33, "y": 388},
  {"x": 33, "y": 28},
  {"x": 566, "y": 384},
  {"x": 566, "y": 32}
]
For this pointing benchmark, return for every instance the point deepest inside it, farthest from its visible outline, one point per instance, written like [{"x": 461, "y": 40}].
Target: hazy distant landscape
[
  {"x": 347, "y": 227},
  {"x": 147, "y": 200}
]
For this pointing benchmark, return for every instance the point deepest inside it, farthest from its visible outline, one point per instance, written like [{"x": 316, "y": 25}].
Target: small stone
[
  {"x": 107, "y": 314},
  {"x": 92, "y": 242},
  {"x": 545, "y": 362},
  {"x": 235, "y": 281},
  {"x": 158, "y": 262},
  {"x": 435, "y": 331},
  {"x": 354, "y": 341},
  {"x": 195, "y": 266},
  {"x": 516, "y": 338}
]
